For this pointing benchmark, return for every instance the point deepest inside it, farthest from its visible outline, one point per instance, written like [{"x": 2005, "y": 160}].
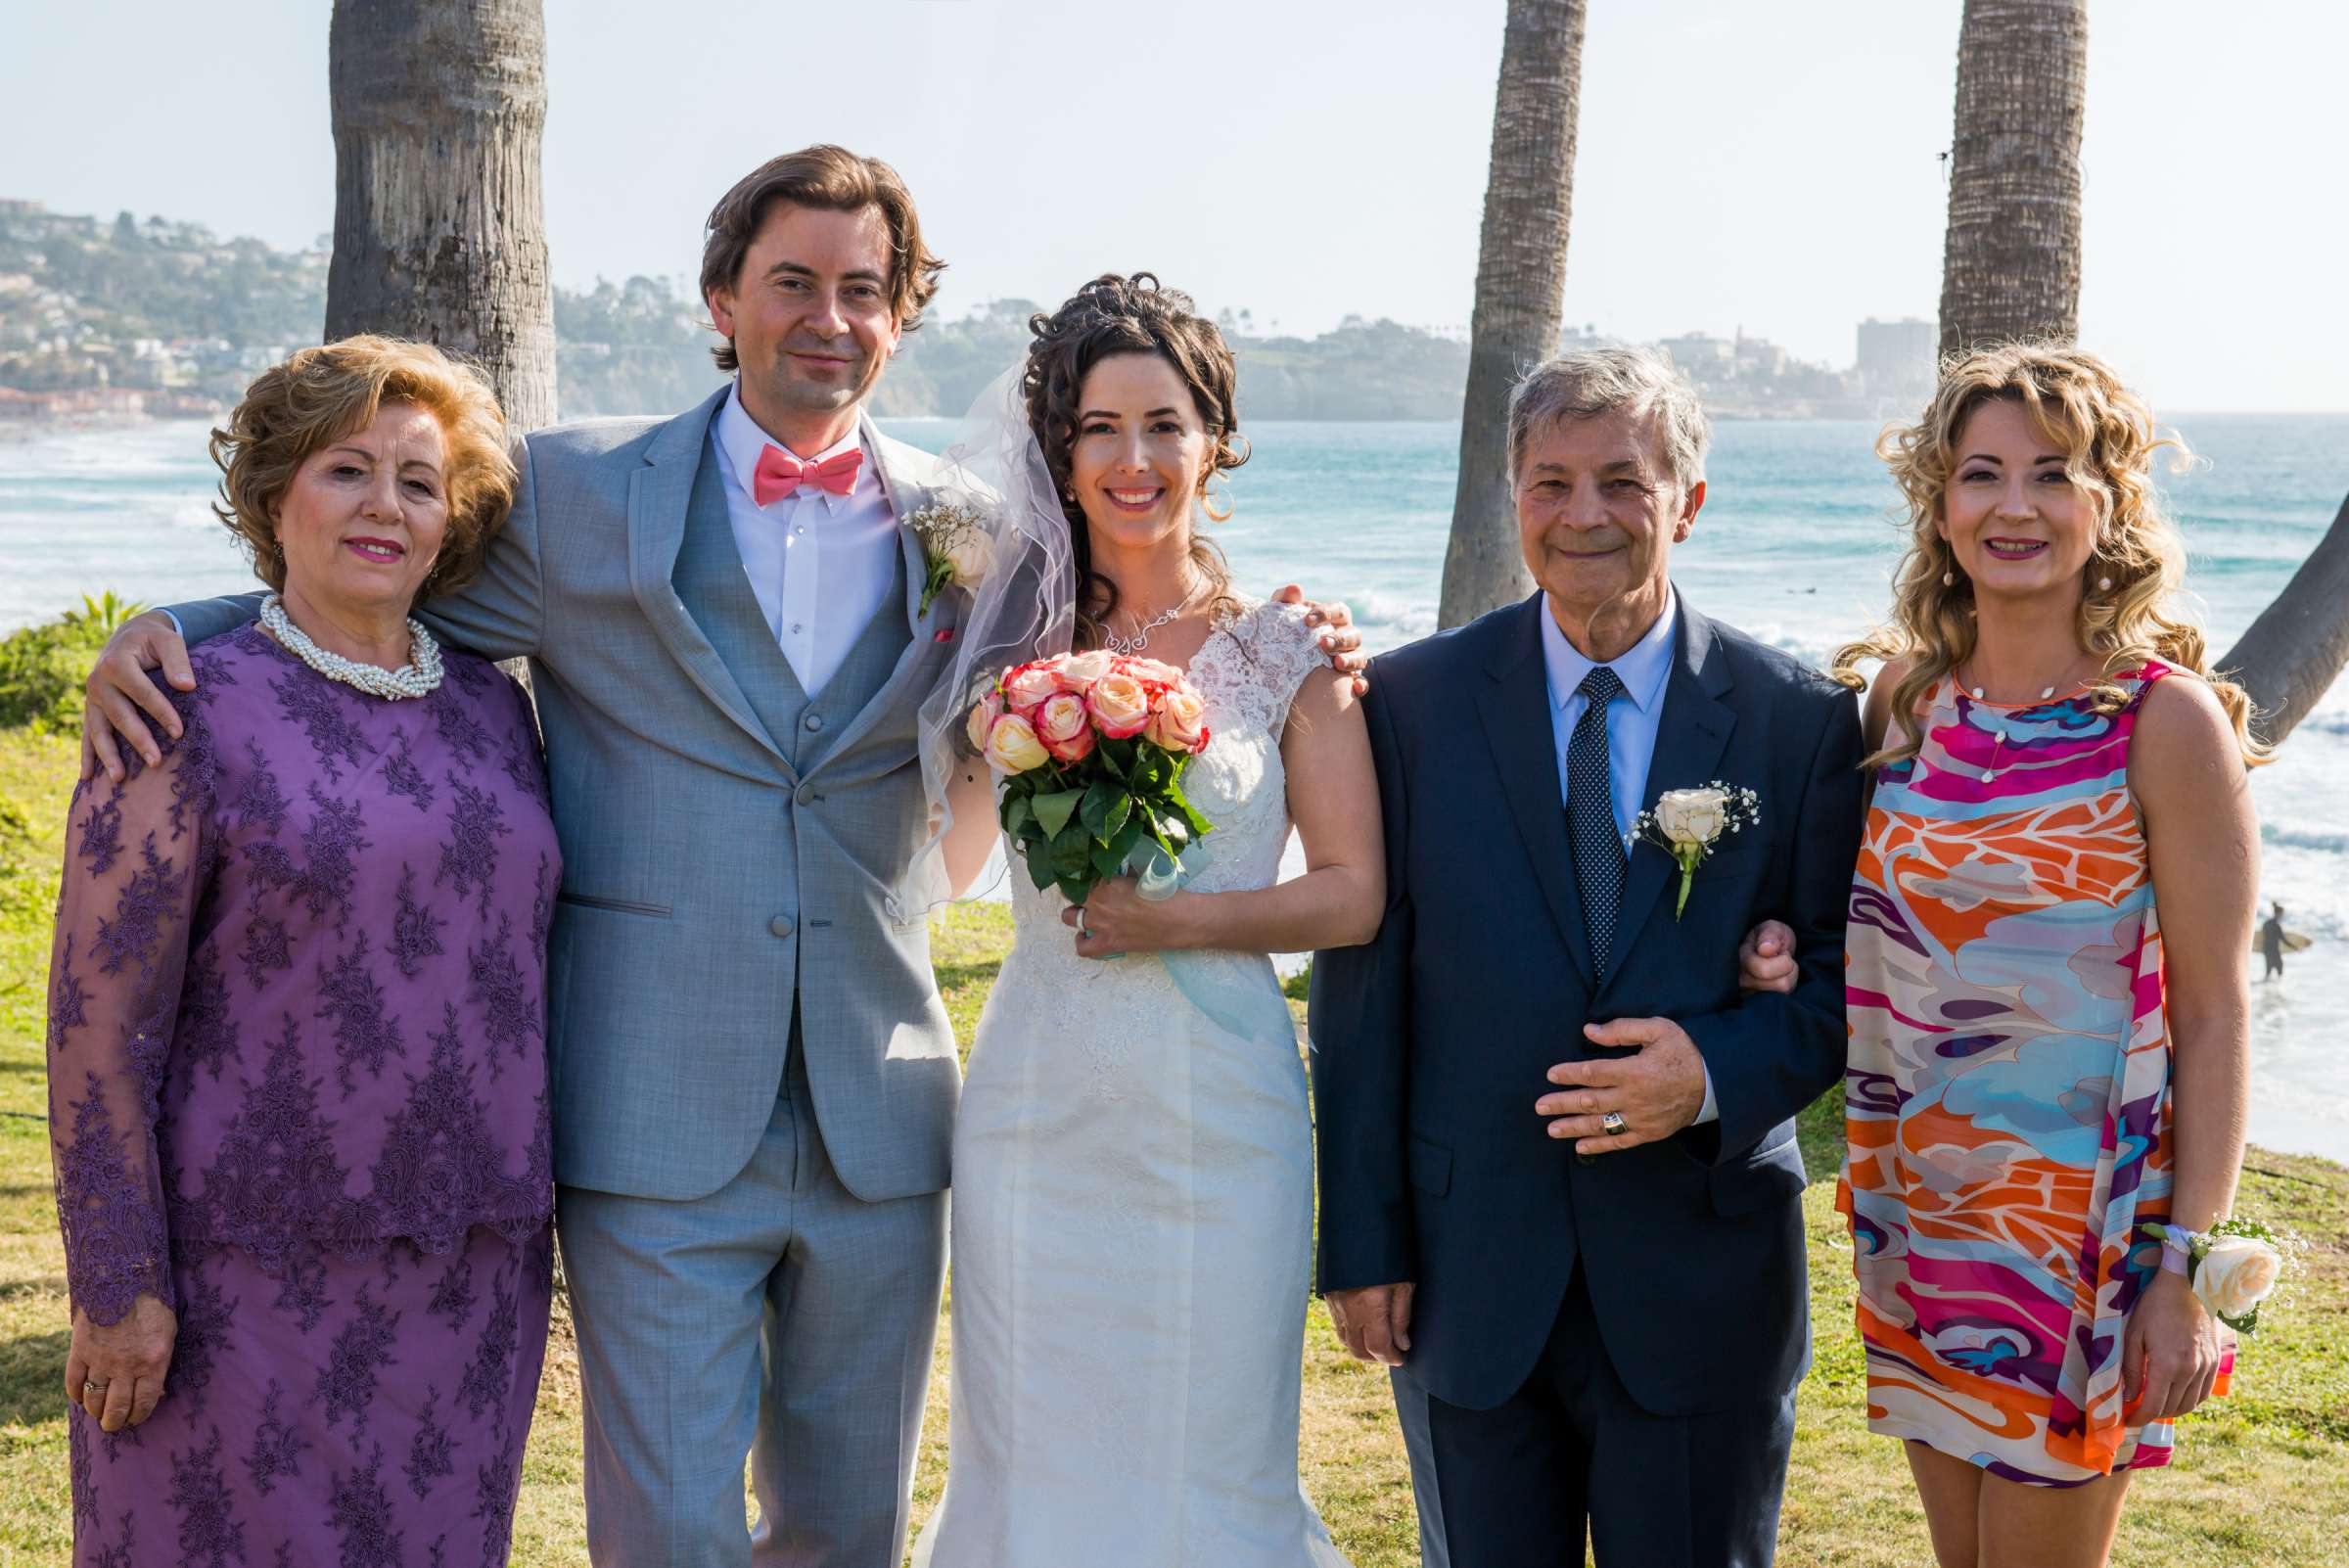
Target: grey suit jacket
[{"x": 731, "y": 848}]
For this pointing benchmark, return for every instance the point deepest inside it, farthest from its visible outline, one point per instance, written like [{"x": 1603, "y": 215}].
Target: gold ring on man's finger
[{"x": 1613, "y": 1123}]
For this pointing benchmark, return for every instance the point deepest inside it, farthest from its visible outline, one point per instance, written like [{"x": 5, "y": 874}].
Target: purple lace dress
[{"x": 298, "y": 1091}]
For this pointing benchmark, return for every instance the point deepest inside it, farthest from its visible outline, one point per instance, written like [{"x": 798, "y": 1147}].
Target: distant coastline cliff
[{"x": 127, "y": 318}]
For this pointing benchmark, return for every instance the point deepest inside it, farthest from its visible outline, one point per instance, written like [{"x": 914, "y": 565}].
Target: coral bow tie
[{"x": 779, "y": 474}]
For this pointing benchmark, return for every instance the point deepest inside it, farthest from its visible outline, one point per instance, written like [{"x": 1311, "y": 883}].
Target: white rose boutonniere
[
  {"x": 956, "y": 544},
  {"x": 1686, "y": 824}
]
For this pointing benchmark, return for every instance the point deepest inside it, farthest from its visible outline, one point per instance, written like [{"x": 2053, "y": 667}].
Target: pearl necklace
[{"x": 417, "y": 679}]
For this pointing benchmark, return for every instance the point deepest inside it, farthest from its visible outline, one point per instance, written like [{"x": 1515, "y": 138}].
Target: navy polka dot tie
[{"x": 1599, "y": 857}]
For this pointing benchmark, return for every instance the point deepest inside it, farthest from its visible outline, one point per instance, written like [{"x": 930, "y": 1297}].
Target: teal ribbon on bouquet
[{"x": 1237, "y": 1005}]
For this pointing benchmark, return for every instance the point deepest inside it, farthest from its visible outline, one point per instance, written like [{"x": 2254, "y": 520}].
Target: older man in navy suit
[{"x": 1559, "y": 1181}]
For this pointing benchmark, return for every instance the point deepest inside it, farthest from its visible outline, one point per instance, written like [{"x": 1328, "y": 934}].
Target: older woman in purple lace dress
[{"x": 296, "y": 1069}]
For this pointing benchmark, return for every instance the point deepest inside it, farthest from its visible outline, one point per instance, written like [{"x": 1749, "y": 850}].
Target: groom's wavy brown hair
[
  {"x": 1116, "y": 315},
  {"x": 829, "y": 179}
]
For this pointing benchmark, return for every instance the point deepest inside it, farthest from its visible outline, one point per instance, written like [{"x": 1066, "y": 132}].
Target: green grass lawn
[{"x": 2263, "y": 1479}]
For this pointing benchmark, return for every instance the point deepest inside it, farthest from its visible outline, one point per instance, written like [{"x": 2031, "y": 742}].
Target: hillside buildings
[
  {"x": 1746, "y": 377},
  {"x": 117, "y": 319}
]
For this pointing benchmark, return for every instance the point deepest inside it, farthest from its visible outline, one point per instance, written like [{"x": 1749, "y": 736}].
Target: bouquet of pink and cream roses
[{"x": 1092, "y": 748}]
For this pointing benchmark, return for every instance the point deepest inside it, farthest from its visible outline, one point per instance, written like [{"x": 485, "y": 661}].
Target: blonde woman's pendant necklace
[
  {"x": 419, "y": 677},
  {"x": 1998, "y": 736}
]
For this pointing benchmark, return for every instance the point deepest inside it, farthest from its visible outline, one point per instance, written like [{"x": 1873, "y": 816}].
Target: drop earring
[
  {"x": 2104, "y": 584},
  {"x": 1949, "y": 579}
]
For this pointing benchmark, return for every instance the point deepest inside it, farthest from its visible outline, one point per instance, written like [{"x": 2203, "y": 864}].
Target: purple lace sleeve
[{"x": 133, "y": 870}]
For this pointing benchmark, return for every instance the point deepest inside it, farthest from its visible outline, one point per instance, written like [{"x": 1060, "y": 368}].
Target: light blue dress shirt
[{"x": 1645, "y": 670}]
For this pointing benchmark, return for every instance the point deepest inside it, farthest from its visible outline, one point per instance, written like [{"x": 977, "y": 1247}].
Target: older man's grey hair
[{"x": 1597, "y": 382}]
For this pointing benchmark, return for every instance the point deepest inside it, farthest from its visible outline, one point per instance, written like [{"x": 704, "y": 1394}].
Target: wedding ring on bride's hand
[{"x": 1613, "y": 1123}]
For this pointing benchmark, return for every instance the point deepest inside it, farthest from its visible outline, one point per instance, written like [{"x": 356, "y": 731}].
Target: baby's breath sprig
[{"x": 955, "y": 545}]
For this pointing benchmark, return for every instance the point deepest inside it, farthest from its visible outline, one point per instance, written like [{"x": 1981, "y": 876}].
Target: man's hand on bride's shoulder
[
  {"x": 121, "y": 697},
  {"x": 1117, "y": 920},
  {"x": 1339, "y": 638},
  {"x": 1766, "y": 958}
]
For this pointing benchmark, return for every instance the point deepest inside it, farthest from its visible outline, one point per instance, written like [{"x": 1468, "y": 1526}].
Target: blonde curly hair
[{"x": 2110, "y": 440}]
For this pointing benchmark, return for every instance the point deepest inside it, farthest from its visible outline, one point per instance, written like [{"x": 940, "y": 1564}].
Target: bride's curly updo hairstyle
[
  {"x": 2129, "y": 590},
  {"x": 1116, "y": 315}
]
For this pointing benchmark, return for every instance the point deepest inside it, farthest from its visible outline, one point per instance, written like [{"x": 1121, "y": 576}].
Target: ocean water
[{"x": 1794, "y": 545}]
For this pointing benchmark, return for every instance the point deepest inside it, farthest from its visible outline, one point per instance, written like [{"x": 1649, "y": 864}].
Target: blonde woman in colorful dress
[{"x": 2047, "y": 990}]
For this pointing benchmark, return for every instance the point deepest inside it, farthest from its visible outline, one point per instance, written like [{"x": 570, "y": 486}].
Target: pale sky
[{"x": 1771, "y": 167}]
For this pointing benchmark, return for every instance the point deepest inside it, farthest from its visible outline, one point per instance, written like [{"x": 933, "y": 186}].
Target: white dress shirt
[
  {"x": 1646, "y": 670},
  {"x": 819, "y": 564}
]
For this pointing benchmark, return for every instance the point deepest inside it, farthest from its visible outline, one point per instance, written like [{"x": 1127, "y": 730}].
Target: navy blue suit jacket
[{"x": 1432, "y": 1041}]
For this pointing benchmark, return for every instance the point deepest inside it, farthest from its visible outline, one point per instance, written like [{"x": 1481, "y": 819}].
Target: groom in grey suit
[{"x": 755, "y": 1079}]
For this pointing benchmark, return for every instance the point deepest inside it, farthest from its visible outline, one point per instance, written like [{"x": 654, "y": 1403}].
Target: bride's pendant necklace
[
  {"x": 418, "y": 677},
  {"x": 1141, "y": 639}
]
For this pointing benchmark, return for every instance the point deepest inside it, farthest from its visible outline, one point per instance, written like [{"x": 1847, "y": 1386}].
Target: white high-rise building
[{"x": 1898, "y": 358}]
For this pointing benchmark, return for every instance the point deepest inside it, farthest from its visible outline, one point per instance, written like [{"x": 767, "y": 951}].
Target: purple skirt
[{"x": 368, "y": 1415}]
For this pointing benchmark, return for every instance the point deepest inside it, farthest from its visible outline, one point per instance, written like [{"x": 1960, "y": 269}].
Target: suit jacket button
[
  {"x": 780, "y": 925},
  {"x": 812, "y": 722}
]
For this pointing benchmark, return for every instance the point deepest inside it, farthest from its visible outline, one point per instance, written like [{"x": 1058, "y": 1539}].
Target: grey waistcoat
[{"x": 717, "y": 595}]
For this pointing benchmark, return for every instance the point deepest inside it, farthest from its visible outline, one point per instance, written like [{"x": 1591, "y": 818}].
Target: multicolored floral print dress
[
  {"x": 298, "y": 1091},
  {"x": 2007, "y": 1098}
]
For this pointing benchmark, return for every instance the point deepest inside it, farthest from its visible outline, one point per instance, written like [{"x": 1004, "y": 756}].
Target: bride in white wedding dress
[{"x": 1132, "y": 1199}]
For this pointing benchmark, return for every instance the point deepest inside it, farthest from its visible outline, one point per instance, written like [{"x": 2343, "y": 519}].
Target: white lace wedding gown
[{"x": 1133, "y": 1214}]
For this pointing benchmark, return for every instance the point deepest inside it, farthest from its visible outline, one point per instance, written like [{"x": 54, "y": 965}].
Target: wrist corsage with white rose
[
  {"x": 1688, "y": 824},
  {"x": 2233, "y": 1268},
  {"x": 955, "y": 545}
]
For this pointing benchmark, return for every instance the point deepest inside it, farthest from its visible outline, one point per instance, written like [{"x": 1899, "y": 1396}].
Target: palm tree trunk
[
  {"x": 2300, "y": 642},
  {"x": 439, "y": 229},
  {"x": 2010, "y": 263},
  {"x": 1520, "y": 292}
]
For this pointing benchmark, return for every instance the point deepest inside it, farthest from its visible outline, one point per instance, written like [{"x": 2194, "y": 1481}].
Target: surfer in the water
[{"x": 2271, "y": 942}]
